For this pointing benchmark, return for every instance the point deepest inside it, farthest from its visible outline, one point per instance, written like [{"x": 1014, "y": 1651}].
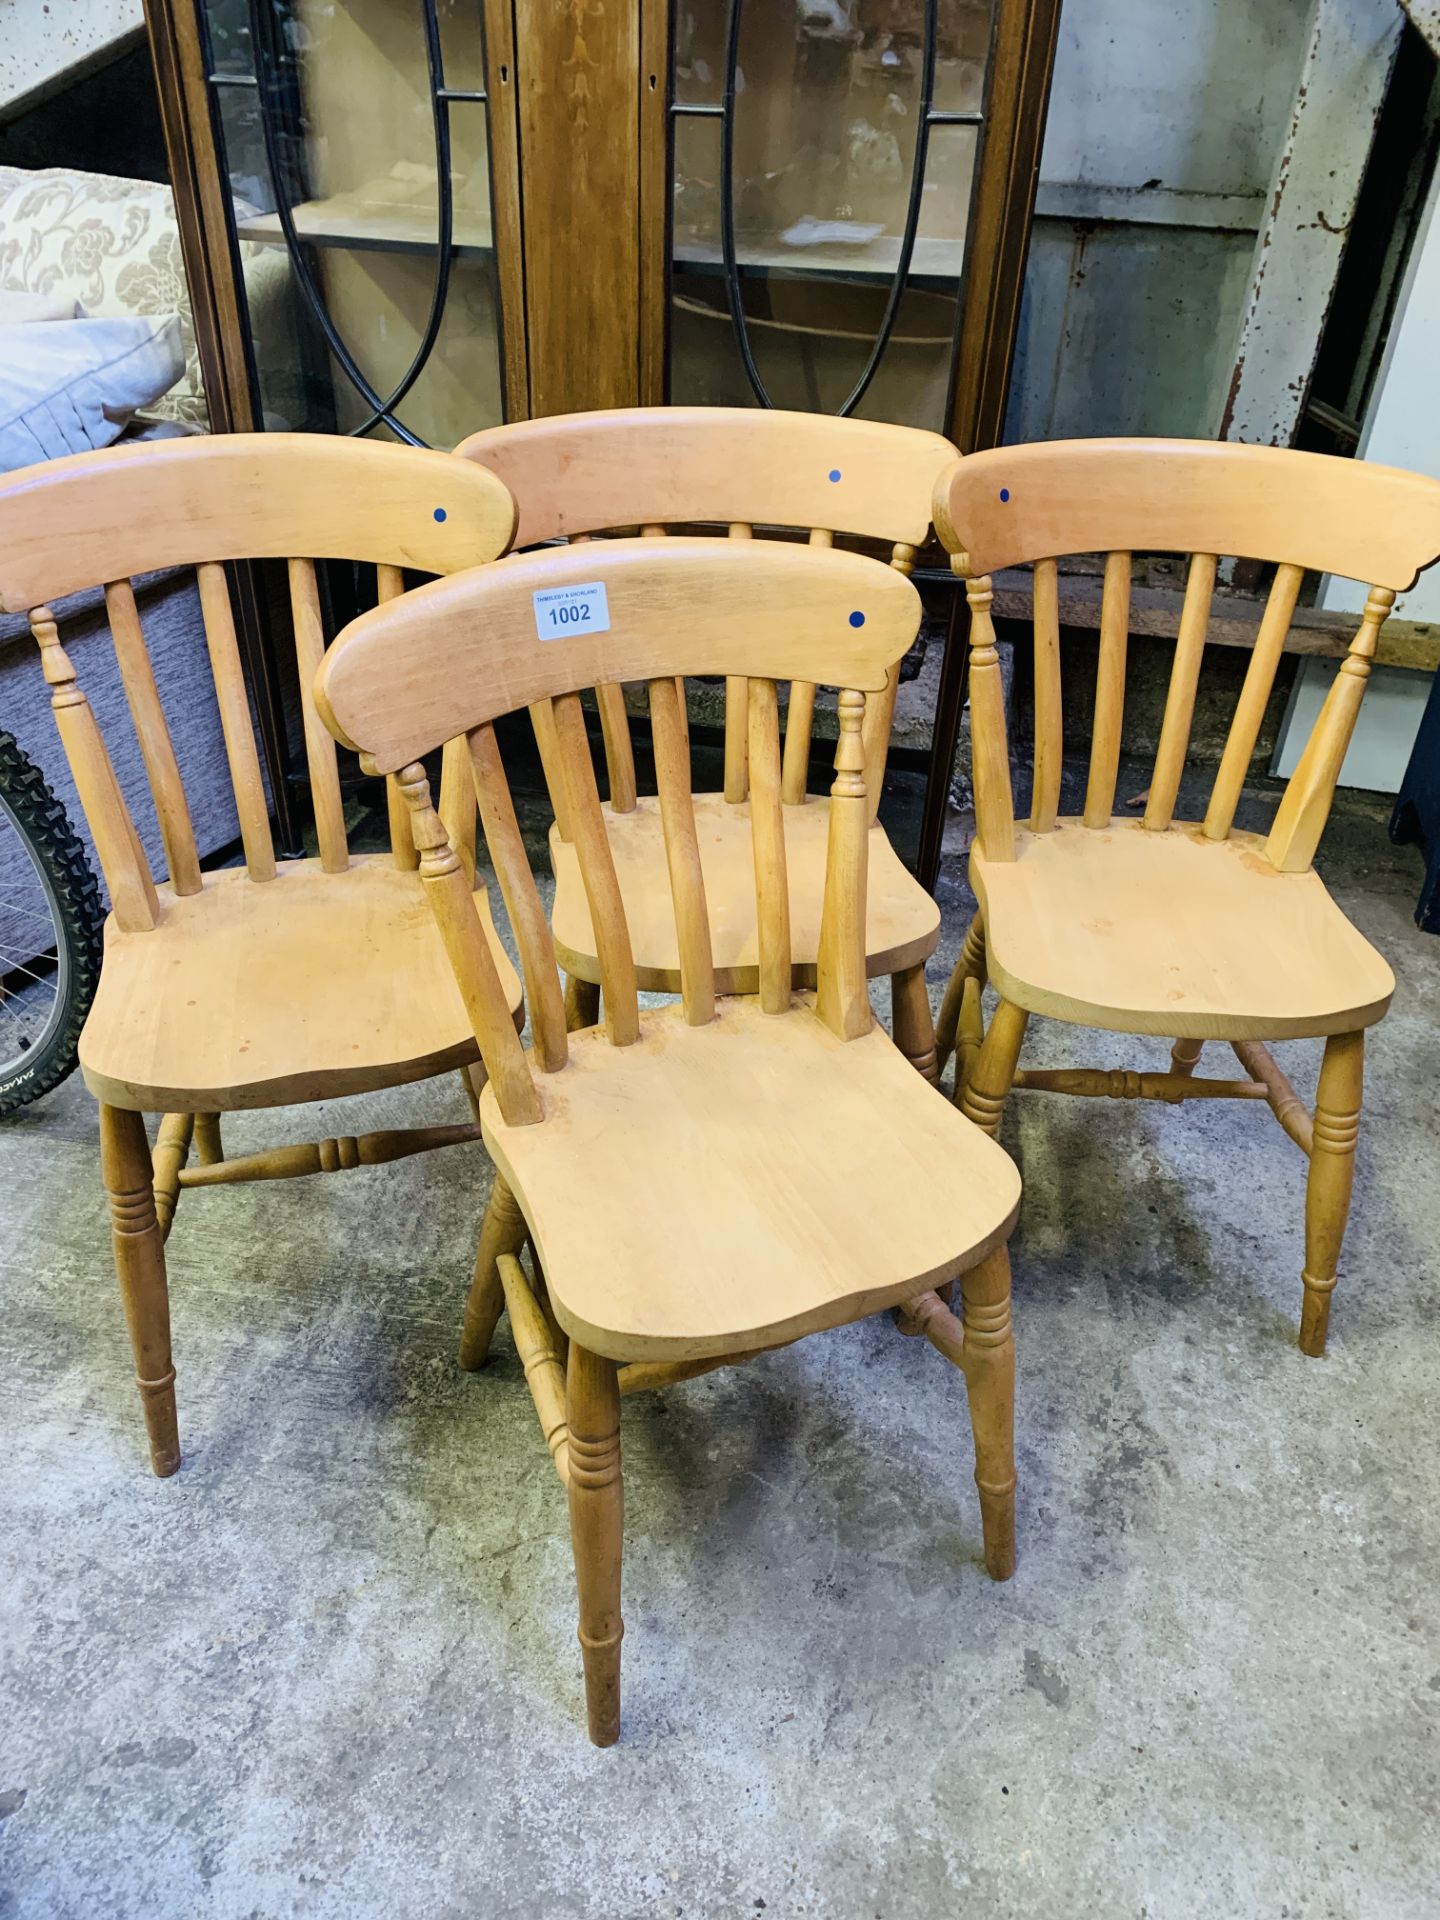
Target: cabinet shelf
[
  {"x": 348, "y": 220},
  {"x": 876, "y": 261}
]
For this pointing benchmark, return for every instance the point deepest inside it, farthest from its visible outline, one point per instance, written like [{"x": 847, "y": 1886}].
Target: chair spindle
[
  {"x": 542, "y": 718},
  {"x": 1305, "y": 804},
  {"x": 614, "y": 732},
  {"x": 457, "y": 802},
  {"x": 1049, "y": 712},
  {"x": 1254, "y": 696},
  {"x": 522, "y": 900},
  {"x": 157, "y": 749},
  {"x": 800, "y": 717},
  {"x": 122, "y": 859},
  {"x": 880, "y": 707},
  {"x": 390, "y": 584},
  {"x": 1109, "y": 691},
  {"x": 597, "y": 869},
  {"x": 448, "y": 889},
  {"x": 682, "y": 853},
  {"x": 657, "y": 530},
  {"x": 842, "y": 997},
  {"x": 767, "y": 838},
  {"x": 234, "y": 705},
  {"x": 989, "y": 748},
  {"x": 319, "y": 743},
  {"x": 1180, "y": 697},
  {"x": 737, "y": 711}
]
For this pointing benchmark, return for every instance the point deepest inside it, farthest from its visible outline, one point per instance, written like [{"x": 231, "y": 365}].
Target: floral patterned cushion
[{"x": 111, "y": 244}]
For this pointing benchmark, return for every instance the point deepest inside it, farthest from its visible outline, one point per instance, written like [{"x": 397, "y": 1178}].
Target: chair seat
[
  {"x": 257, "y": 994},
  {"x": 1173, "y": 934},
  {"x": 902, "y": 924},
  {"x": 713, "y": 1189}
]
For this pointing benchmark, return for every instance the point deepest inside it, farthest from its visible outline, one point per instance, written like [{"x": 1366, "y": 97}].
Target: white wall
[{"x": 1402, "y": 423}]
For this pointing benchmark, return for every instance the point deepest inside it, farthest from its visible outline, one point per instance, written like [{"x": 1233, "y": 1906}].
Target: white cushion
[
  {"x": 73, "y": 384},
  {"x": 15, "y": 307},
  {"x": 114, "y": 246}
]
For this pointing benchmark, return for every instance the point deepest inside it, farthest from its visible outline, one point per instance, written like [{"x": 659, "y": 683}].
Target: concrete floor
[{"x": 330, "y": 1668}]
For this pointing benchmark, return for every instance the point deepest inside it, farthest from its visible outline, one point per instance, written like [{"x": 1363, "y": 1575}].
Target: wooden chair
[
  {"x": 660, "y": 467},
  {"x": 724, "y": 1174},
  {"x": 1186, "y": 929},
  {"x": 273, "y": 983}
]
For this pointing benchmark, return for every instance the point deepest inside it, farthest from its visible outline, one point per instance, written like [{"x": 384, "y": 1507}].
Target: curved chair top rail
[
  {"x": 471, "y": 646},
  {"x": 95, "y": 517},
  {"x": 633, "y": 467},
  {"x": 1013, "y": 505}
]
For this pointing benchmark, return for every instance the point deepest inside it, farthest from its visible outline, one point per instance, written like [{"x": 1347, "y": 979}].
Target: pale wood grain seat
[
  {"x": 1153, "y": 926},
  {"x": 726, "y": 1227},
  {"x": 902, "y": 922},
  {"x": 279, "y": 981},
  {"x": 1072, "y": 932},
  {"x": 314, "y": 986},
  {"x": 741, "y": 471},
  {"x": 700, "y": 1181}
]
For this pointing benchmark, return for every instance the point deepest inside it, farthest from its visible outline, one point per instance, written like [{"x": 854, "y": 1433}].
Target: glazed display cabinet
[{"x": 415, "y": 218}]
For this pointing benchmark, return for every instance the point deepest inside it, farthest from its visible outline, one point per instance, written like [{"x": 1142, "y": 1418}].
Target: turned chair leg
[
  {"x": 172, "y": 1150},
  {"x": 1185, "y": 1056},
  {"x": 990, "y": 1383},
  {"x": 597, "y": 1530},
  {"x": 208, "y": 1149},
  {"x": 472, "y": 1079},
  {"x": 982, "y": 1098},
  {"x": 503, "y": 1230},
  {"x": 582, "y": 1003},
  {"x": 970, "y": 966},
  {"x": 911, "y": 1022},
  {"x": 140, "y": 1269},
  {"x": 1332, "y": 1172},
  {"x": 970, "y": 1036}
]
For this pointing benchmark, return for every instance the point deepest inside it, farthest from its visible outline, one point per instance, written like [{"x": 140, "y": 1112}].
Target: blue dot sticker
[
  {"x": 857, "y": 619},
  {"x": 834, "y": 475},
  {"x": 440, "y": 513},
  {"x": 1004, "y": 495}
]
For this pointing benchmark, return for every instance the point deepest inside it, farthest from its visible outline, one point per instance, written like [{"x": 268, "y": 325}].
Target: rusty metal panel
[{"x": 1348, "y": 59}]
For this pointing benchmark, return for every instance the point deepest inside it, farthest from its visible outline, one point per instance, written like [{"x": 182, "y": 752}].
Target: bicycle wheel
[{"x": 50, "y": 933}]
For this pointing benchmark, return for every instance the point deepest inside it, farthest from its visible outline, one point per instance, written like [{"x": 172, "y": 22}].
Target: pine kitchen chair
[
  {"x": 1190, "y": 930},
  {"x": 716, "y": 1177},
  {"x": 654, "y": 468},
  {"x": 276, "y": 982}
]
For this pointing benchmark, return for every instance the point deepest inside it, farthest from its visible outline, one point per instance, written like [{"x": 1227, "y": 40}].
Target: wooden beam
[{"x": 1155, "y": 610}]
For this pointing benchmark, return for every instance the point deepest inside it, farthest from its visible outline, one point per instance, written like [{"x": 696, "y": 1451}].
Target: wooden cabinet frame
[{"x": 581, "y": 138}]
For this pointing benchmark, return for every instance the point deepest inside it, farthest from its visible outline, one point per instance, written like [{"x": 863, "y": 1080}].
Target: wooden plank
[
  {"x": 1155, "y": 613},
  {"x": 580, "y": 157}
]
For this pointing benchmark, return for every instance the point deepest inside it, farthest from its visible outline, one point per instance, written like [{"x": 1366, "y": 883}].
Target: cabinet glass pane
[
  {"x": 827, "y": 113},
  {"x": 344, "y": 127}
]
